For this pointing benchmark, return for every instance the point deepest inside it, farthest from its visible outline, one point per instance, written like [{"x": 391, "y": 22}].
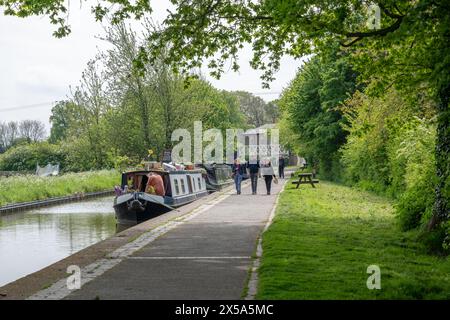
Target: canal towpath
[{"x": 203, "y": 251}]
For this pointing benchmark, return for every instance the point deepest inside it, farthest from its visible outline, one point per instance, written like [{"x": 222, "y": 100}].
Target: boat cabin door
[{"x": 191, "y": 185}]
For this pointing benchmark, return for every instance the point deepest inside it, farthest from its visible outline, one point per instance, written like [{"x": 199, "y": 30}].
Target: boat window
[
  {"x": 199, "y": 184},
  {"x": 177, "y": 189},
  {"x": 182, "y": 186}
]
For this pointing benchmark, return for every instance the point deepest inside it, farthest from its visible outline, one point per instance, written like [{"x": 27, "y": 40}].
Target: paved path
[{"x": 205, "y": 257}]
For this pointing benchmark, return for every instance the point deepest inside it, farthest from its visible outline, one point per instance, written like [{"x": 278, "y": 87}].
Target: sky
[{"x": 37, "y": 69}]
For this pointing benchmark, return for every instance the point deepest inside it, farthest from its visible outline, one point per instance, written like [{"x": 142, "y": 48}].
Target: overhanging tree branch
[
  {"x": 379, "y": 32},
  {"x": 374, "y": 33}
]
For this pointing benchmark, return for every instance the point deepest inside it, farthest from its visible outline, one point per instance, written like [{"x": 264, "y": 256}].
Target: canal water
[{"x": 32, "y": 240}]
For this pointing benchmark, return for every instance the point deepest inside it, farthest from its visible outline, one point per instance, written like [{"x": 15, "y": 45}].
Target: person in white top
[{"x": 268, "y": 174}]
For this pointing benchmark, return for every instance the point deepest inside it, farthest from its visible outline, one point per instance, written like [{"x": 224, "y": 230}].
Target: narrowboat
[
  {"x": 218, "y": 176},
  {"x": 132, "y": 205}
]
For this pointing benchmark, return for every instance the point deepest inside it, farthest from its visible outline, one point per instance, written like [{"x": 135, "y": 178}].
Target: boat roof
[{"x": 163, "y": 171}]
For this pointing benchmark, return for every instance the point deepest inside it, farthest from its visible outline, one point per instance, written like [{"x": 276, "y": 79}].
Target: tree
[
  {"x": 272, "y": 112},
  {"x": 12, "y": 132},
  {"x": 57, "y": 11},
  {"x": 3, "y": 137},
  {"x": 170, "y": 93},
  {"x": 27, "y": 155},
  {"x": 125, "y": 81},
  {"x": 311, "y": 104},
  {"x": 257, "y": 111},
  {"x": 9, "y": 133},
  {"x": 32, "y": 130},
  {"x": 63, "y": 116},
  {"x": 253, "y": 107},
  {"x": 90, "y": 105}
]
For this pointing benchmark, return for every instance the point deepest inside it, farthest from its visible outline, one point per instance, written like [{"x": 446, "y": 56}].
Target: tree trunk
[{"x": 440, "y": 209}]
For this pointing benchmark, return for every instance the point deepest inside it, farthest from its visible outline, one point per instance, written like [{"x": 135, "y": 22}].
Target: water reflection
[{"x": 32, "y": 240}]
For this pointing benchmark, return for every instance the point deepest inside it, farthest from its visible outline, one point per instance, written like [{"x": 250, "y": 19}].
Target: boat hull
[{"x": 136, "y": 207}]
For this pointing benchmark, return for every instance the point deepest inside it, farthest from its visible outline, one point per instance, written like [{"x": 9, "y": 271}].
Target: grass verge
[
  {"x": 322, "y": 241},
  {"x": 28, "y": 188}
]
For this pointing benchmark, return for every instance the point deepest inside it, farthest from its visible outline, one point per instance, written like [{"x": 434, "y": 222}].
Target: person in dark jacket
[
  {"x": 253, "y": 168},
  {"x": 281, "y": 165},
  {"x": 238, "y": 171}
]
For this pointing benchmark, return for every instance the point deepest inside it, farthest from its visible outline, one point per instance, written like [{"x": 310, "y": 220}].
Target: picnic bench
[{"x": 305, "y": 178}]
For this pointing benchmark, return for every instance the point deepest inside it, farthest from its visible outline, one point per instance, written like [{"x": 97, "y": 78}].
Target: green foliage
[
  {"x": 310, "y": 104},
  {"x": 121, "y": 163},
  {"x": 80, "y": 157},
  {"x": 57, "y": 11},
  {"x": 411, "y": 43},
  {"x": 322, "y": 241},
  {"x": 389, "y": 150},
  {"x": 437, "y": 240},
  {"x": 64, "y": 114},
  {"x": 365, "y": 155},
  {"x": 25, "y": 157},
  {"x": 288, "y": 137},
  {"x": 257, "y": 111},
  {"x": 415, "y": 152},
  {"x": 31, "y": 187}
]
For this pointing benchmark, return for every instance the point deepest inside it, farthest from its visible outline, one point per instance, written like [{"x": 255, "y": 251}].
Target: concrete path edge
[{"x": 252, "y": 285}]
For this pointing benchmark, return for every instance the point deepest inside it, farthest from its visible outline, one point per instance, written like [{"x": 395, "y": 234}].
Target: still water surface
[{"x": 32, "y": 240}]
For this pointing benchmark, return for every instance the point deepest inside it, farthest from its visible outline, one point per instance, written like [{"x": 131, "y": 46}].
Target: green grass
[
  {"x": 322, "y": 241},
  {"x": 28, "y": 188}
]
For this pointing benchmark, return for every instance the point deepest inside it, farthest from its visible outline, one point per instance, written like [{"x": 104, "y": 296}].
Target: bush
[
  {"x": 25, "y": 157},
  {"x": 79, "y": 156},
  {"x": 414, "y": 151},
  {"x": 390, "y": 151},
  {"x": 436, "y": 241},
  {"x": 75, "y": 155},
  {"x": 413, "y": 207}
]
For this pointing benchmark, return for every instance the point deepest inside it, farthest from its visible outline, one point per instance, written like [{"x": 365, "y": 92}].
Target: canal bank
[
  {"x": 20, "y": 206},
  {"x": 28, "y": 285}
]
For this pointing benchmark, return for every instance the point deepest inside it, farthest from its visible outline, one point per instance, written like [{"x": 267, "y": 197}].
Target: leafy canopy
[
  {"x": 57, "y": 11},
  {"x": 215, "y": 30},
  {"x": 410, "y": 45}
]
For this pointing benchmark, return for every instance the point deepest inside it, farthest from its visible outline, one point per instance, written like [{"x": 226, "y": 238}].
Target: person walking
[
  {"x": 281, "y": 165},
  {"x": 268, "y": 174},
  {"x": 238, "y": 171},
  {"x": 253, "y": 168}
]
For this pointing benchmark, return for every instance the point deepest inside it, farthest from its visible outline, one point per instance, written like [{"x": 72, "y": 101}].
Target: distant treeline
[{"x": 13, "y": 133}]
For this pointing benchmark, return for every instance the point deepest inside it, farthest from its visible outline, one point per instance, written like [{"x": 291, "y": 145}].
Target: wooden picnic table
[{"x": 305, "y": 178}]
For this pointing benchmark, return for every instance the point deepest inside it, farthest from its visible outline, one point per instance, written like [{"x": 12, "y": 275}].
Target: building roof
[{"x": 260, "y": 129}]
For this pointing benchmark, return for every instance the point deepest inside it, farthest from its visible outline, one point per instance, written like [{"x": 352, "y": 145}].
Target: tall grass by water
[{"x": 30, "y": 187}]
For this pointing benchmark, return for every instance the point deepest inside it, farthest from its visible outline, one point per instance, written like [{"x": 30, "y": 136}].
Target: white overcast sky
[{"x": 37, "y": 69}]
